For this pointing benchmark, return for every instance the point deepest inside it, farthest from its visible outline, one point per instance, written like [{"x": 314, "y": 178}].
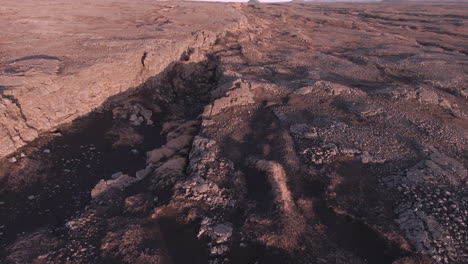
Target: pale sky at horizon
[
  {"x": 276, "y": 1},
  {"x": 263, "y": 1}
]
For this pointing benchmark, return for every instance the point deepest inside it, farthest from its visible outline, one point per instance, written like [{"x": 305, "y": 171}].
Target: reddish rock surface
[{"x": 234, "y": 133}]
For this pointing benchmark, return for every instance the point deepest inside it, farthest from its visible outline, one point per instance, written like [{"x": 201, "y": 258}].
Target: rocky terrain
[{"x": 184, "y": 132}]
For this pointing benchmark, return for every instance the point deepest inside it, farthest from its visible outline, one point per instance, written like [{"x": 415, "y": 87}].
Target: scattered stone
[
  {"x": 135, "y": 113},
  {"x": 326, "y": 152},
  {"x": 304, "y": 130},
  {"x": 219, "y": 234},
  {"x": 305, "y": 90},
  {"x": 42, "y": 257},
  {"x": 367, "y": 158},
  {"x": 203, "y": 188},
  {"x": 137, "y": 204},
  {"x": 133, "y": 118},
  {"x": 117, "y": 184},
  {"x": 364, "y": 110},
  {"x": 116, "y": 175},
  {"x": 223, "y": 232}
]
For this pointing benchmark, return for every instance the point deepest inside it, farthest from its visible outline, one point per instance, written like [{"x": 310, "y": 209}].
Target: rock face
[
  {"x": 256, "y": 133},
  {"x": 62, "y": 71},
  {"x": 236, "y": 96}
]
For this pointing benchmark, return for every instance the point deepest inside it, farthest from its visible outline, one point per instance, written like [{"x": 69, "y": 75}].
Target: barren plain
[{"x": 194, "y": 132}]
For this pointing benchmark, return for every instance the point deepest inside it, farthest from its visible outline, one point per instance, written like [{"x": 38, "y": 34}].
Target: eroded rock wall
[{"x": 97, "y": 62}]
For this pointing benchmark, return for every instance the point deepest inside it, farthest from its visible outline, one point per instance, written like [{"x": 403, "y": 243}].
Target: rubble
[
  {"x": 135, "y": 113},
  {"x": 219, "y": 234}
]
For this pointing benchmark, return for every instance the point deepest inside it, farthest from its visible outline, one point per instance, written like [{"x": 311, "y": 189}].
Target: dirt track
[{"x": 293, "y": 133}]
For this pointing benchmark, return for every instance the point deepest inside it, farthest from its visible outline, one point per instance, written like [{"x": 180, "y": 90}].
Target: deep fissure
[{"x": 85, "y": 150}]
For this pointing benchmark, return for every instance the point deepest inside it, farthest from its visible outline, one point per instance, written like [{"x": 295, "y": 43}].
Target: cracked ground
[{"x": 288, "y": 133}]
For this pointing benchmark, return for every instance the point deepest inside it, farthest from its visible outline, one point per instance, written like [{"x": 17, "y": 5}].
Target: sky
[
  {"x": 263, "y": 1},
  {"x": 275, "y": 1}
]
